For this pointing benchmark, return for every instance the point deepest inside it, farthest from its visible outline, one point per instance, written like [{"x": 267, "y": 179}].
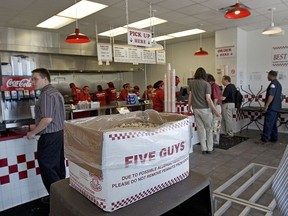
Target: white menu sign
[
  {"x": 149, "y": 57},
  {"x": 139, "y": 37},
  {"x": 104, "y": 52},
  {"x": 131, "y": 54},
  {"x": 161, "y": 57}
]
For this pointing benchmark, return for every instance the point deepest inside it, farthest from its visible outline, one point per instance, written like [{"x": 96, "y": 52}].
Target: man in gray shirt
[
  {"x": 202, "y": 104},
  {"x": 49, "y": 123}
]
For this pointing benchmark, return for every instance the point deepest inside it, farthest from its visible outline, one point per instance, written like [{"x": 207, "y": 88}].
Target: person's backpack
[{"x": 238, "y": 99}]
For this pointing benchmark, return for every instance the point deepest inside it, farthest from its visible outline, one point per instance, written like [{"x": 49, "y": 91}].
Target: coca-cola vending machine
[{"x": 17, "y": 96}]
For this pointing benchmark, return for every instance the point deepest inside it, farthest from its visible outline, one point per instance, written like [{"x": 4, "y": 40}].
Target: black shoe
[
  {"x": 273, "y": 140},
  {"x": 203, "y": 152},
  {"x": 45, "y": 200},
  {"x": 260, "y": 142},
  {"x": 209, "y": 152}
]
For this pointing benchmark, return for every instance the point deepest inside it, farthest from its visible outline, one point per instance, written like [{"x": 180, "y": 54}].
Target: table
[
  {"x": 255, "y": 114},
  {"x": 64, "y": 200}
]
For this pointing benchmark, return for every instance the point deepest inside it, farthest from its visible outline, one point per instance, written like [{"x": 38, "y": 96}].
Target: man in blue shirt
[{"x": 272, "y": 108}]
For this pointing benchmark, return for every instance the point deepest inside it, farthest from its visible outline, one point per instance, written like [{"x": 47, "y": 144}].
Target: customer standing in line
[
  {"x": 272, "y": 108},
  {"x": 158, "y": 96},
  {"x": 228, "y": 106},
  {"x": 216, "y": 98},
  {"x": 202, "y": 104},
  {"x": 49, "y": 123}
]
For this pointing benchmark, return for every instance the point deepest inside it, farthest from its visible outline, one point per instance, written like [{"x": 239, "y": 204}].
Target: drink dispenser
[{"x": 17, "y": 95}]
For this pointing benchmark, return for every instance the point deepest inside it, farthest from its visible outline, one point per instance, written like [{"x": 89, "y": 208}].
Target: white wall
[{"x": 182, "y": 59}]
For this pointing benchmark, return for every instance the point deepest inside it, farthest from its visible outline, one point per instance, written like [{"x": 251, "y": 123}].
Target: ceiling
[{"x": 181, "y": 15}]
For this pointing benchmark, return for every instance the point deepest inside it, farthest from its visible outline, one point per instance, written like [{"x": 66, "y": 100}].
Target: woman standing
[{"x": 200, "y": 99}]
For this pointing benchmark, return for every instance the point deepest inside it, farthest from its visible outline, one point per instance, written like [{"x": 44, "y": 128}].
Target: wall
[{"x": 182, "y": 59}]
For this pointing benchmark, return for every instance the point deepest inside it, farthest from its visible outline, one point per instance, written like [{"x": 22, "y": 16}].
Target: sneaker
[{"x": 45, "y": 200}]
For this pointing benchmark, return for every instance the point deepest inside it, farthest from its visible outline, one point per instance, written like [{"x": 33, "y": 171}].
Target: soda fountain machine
[{"x": 17, "y": 95}]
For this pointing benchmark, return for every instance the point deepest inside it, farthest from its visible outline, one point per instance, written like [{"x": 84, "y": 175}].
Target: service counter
[{"x": 20, "y": 181}]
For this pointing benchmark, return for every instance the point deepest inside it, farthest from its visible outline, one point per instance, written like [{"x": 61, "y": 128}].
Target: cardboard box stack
[{"x": 114, "y": 167}]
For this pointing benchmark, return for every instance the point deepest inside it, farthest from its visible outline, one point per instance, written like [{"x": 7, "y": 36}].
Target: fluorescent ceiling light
[
  {"x": 162, "y": 38},
  {"x": 139, "y": 24},
  {"x": 82, "y": 9},
  {"x": 146, "y": 23},
  {"x": 179, "y": 34},
  {"x": 114, "y": 32},
  {"x": 77, "y": 11},
  {"x": 155, "y": 46},
  {"x": 186, "y": 33},
  {"x": 55, "y": 22}
]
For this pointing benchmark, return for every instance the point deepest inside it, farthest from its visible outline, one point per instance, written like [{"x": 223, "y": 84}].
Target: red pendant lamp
[
  {"x": 237, "y": 12},
  {"x": 201, "y": 52},
  {"x": 77, "y": 37}
]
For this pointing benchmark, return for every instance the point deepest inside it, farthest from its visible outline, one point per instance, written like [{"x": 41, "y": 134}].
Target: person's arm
[
  {"x": 189, "y": 101},
  {"x": 44, "y": 122},
  {"x": 269, "y": 100},
  {"x": 211, "y": 105}
]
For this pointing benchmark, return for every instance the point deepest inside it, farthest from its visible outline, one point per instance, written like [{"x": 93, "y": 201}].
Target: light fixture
[
  {"x": 77, "y": 37},
  {"x": 271, "y": 30},
  {"x": 67, "y": 16},
  {"x": 237, "y": 12},
  {"x": 154, "y": 46},
  {"x": 200, "y": 52}
]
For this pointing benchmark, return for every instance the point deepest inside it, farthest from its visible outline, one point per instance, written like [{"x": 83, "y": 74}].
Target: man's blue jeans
[{"x": 270, "y": 126}]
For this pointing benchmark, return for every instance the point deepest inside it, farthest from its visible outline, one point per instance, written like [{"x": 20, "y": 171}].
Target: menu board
[
  {"x": 131, "y": 54},
  {"x": 104, "y": 52},
  {"x": 161, "y": 57}
]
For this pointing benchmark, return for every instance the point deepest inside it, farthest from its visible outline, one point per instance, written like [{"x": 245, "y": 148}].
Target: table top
[
  {"x": 64, "y": 200},
  {"x": 258, "y": 108}
]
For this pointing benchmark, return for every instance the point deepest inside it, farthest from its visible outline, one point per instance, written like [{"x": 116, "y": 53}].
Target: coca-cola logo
[{"x": 23, "y": 83}]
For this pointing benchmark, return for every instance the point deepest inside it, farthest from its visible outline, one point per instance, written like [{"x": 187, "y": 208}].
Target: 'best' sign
[{"x": 139, "y": 37}]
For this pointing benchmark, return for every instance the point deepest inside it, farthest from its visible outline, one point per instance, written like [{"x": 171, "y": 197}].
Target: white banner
[
  {"x": 139, "y": 37},
  {"x": 104, "y": 52},
  {"x": 280, "y": 56}
]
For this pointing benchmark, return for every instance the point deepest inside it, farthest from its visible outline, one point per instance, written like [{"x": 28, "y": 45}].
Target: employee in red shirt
[
  {"x": 124, "y": 92},
  {"x": 85, "y": 94},
  {"x": 158, "y": 96},
  {"x": 101, "y": 96},
  {"x": 136, "y": 90},
  {"x": 111, "y": 93},
  {"x": 147, "y": 93},
  {"x": 75, "y": 93}
]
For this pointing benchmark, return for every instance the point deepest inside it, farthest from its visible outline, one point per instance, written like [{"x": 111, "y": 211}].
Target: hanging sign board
[
  {"x": 139, "y": 37},
  {"x": 104, "y": 52},
  {"x": 280, "y": 56},
  {"x": 161, "y": 57},
  {"x": 131, "y": 54},
  {"x": 224, "y": 52},
  {"x": 148, "y": 57}
]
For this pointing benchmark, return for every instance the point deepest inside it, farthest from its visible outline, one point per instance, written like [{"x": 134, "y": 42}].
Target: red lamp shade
[
  {"x": 77, "y": 37},
  {"x": 237, "y": 12},
  {"x": 201, "y": 52}
]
